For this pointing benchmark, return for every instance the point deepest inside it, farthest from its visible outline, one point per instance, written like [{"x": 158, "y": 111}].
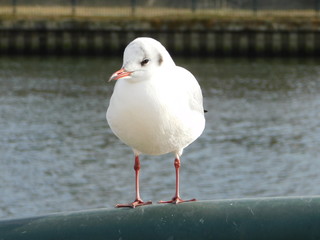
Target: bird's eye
[{"x": 145, "y": 62}]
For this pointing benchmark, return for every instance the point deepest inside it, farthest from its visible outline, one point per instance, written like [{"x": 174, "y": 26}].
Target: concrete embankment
[{"x": 202, "y": 37}]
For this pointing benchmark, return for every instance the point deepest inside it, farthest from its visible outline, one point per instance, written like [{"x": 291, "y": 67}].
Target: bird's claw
[
  {"x": 136, "y": 203},
  {"x": 176, "y": 200}
]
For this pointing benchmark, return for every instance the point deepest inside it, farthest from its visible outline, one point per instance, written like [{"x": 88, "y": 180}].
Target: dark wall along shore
[{"x": 196, "y": 39}]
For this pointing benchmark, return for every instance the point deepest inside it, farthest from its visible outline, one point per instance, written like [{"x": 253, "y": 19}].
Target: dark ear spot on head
[{"x": 160, "y": 60}]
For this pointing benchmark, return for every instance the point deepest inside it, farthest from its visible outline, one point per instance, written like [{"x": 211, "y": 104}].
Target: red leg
[
  {"x": 177, "y": 199},
  {"x": 138, "y": 201}
]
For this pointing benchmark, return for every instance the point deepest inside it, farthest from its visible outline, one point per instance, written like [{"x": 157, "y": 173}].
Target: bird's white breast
[{"x": 154, "y": 116}]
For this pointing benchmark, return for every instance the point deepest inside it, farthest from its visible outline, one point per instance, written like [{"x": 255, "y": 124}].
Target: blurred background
[
  {"x": 256, "y": 61},
  {"x": 155, "y": 7}
]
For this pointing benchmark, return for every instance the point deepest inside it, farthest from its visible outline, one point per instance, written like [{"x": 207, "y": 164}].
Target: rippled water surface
[{"x": 57, "y": 153}]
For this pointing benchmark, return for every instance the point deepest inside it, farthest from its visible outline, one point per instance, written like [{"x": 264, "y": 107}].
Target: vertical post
[
  {"x": 133, "y": 7},
  {"x": 73, "y": 6},
  {"x": 193, "y": 5},
  {"x": 14, "y": 7},
  {"x": 255, "y": 6},
  {"x": 317, "y": 7}
]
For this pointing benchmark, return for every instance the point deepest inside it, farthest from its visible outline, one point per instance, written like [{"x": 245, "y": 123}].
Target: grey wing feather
[{"x": 194, "y": 90}]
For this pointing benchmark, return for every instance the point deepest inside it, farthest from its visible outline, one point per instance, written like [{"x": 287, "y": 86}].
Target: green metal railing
[{"x": 262, "y": 218}]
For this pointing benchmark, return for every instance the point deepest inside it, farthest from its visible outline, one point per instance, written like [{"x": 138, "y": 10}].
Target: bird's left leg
[
  {"x": 138, "y": 201},
  {"x": 177, "y": 199}
]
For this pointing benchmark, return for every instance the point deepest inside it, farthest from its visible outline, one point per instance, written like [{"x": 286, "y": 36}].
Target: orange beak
[{"x": 119, "y": 74}]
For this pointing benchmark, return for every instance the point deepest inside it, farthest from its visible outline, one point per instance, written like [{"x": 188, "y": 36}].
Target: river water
[{"x": 57, "y": 153}]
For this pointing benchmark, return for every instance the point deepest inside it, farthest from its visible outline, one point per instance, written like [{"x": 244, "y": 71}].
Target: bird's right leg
[
  {"x": 138, "y": 201},
  {"x": 176, "y": 198}
]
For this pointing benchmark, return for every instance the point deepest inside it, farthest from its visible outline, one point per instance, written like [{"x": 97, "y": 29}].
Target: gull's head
[{"x": 142, "y": 58}]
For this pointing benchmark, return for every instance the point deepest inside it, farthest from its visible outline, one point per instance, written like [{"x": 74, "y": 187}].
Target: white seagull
[{"x": 156, "y": 107}]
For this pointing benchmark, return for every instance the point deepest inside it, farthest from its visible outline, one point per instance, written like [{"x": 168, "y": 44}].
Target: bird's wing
[{"x": 191, "y": 89}]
